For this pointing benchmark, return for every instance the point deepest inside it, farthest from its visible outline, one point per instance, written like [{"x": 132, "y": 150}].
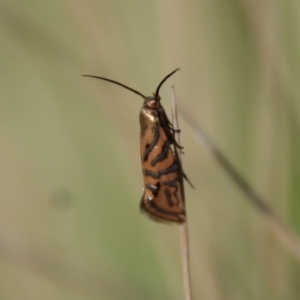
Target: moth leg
[{"x": 186, "y": 178}]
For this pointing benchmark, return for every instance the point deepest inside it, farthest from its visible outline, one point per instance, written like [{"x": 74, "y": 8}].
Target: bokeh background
[{"x": 70, "y": 175}]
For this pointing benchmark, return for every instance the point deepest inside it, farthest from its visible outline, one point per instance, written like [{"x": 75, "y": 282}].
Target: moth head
[{"x": 152, "y": 101}]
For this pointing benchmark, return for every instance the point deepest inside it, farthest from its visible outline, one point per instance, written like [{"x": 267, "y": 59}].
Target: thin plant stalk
[{"x": 183, "y": 227}]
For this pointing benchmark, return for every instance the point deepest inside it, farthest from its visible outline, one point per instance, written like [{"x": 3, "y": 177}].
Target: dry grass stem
[{"x": 183, "y": 227}]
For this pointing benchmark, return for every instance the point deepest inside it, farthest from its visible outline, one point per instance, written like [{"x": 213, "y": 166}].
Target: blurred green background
[{"x": 70, "y": 175}]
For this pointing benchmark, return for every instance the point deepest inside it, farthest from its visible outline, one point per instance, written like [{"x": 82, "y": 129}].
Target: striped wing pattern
[{"x": 161, "y": 176}]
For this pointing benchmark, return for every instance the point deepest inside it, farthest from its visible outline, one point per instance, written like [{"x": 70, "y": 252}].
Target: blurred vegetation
[{"x": 70, "y": 176}]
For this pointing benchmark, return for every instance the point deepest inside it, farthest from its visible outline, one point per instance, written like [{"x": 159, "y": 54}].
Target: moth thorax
[{"x": 148, "y": 117}]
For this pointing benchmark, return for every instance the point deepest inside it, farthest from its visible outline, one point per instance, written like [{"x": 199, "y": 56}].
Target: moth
[{"x": 162, "y": 171}]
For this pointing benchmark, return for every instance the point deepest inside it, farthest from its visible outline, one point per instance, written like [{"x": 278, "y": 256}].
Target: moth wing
[
  {"x": 161, "y": 197},
  {"x": 157, "y": 208}
]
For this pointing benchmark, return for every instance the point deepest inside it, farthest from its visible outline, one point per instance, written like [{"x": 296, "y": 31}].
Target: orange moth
[{"x": 162, "y": 171}]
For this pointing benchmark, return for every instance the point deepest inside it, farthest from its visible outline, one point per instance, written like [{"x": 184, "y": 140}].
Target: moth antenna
[
  {"x": 161, "y": 83},
  {"x": 118, "y": 83}
]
